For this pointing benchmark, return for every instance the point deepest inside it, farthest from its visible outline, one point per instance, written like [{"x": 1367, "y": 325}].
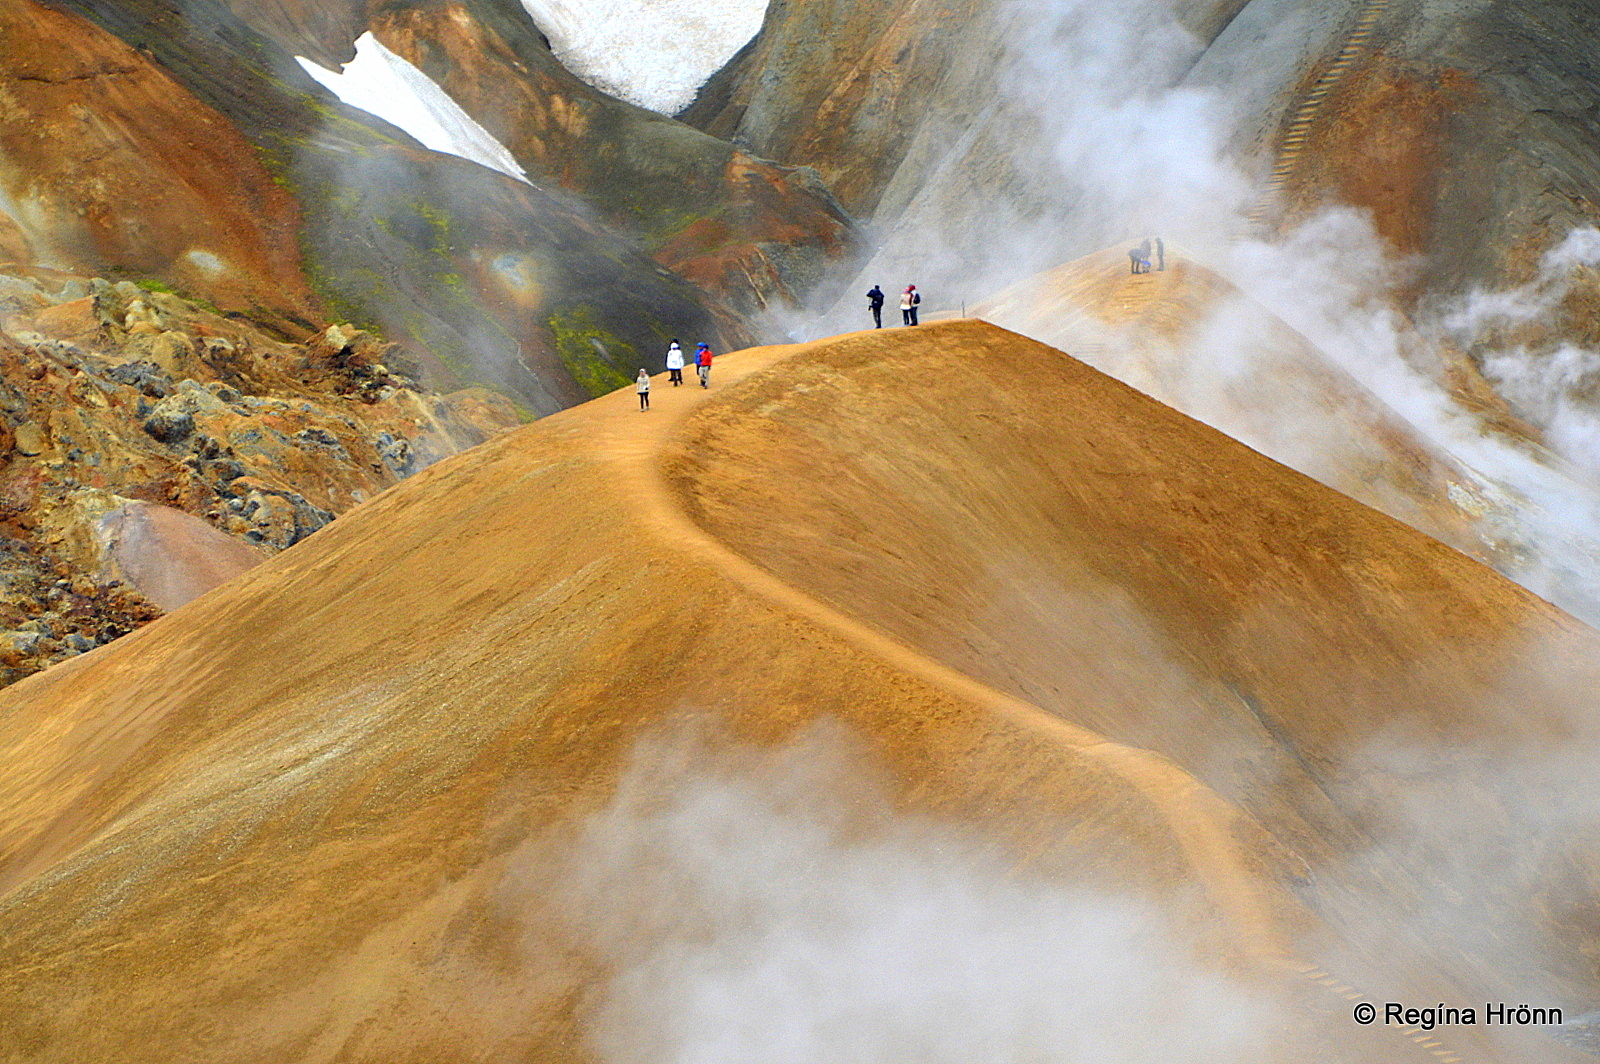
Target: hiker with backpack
[
  {"x": 909, "y": 300},
  {"x": 875, "y": 304}
]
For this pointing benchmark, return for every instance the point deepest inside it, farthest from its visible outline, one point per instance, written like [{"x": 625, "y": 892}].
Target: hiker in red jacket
[{"x": 702, "y": 361}]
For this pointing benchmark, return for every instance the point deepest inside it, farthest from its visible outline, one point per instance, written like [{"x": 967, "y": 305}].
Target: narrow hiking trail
[
  {"x": 1200, "y": 820},
  {"x": 1202, "y": 823},
  {"x": 1297, "y": 133}
]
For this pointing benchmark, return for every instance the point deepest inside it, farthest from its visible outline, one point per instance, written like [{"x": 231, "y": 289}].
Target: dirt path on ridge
[{"x": 1200, "y": 820}]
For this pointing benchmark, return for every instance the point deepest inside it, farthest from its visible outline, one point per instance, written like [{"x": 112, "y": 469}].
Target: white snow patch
[
  {"x": 655, "y": 53},
  {"x": 381, "y": 83}
]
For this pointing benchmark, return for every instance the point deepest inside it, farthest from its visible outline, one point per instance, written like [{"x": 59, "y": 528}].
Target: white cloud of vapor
[
  {"x": 773, "y": 907},
  {"x": 1093, "y": 138},
  {"x": 1551, "y": 381}
]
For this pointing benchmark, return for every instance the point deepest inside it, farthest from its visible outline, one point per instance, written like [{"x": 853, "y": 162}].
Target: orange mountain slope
[
  {"x": 319, "y": 813},
  {"x": 1190, "y": 338}
]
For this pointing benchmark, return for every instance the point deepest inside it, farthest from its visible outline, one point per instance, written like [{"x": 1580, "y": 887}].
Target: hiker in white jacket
[
  {"x": 642, "y": 386},
  {"x": 909, "y": 300},
  {"x": 675, "y": 363}
]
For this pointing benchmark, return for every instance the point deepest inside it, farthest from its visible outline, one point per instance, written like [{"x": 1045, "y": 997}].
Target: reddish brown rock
[
  {"x": 107, "y": 164},
  {"x": 150, "y": 450}
]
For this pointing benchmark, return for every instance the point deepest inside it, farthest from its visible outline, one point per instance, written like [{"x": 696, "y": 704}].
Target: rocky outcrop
[{"x": 154, "y": 448}]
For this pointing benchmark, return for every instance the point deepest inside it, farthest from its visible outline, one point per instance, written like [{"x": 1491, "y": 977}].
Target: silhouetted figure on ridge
[
  {"x": 909, "y": 300},
  {"x": 875, "y": 302},
  {"x": 1136, "y": 262},
  {"x": 1161, "y": 254}
]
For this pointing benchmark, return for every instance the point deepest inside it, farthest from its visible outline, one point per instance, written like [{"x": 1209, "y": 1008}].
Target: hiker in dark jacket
[{"x": 875, "y": 302}]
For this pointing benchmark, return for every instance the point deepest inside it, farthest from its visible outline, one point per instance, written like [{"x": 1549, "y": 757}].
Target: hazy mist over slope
[
  {"x": 1087, "y": 130},
  {"x": 774, "y": 906}
]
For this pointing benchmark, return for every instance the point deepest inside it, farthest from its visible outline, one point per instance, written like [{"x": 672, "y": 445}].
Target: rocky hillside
[
  {"x": 634, "y": 229},
  {"x": 154, "y": 447}
]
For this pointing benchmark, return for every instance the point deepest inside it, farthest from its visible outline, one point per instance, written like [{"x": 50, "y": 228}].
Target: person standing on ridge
[
  {"x": 675, "y": 363},
  {"x": 875, "y": 303},
  {"x": 909, "y": 299},
  {"x": 642, "y": 386},
  {"x": 1161, "y": 254},
  {"x": 702, "y": 362}
]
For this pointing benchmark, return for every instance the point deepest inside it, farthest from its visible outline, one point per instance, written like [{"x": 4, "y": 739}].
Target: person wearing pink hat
[{"x": 908, "y": 304}]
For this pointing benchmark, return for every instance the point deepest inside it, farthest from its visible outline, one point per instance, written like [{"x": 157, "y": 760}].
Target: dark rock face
[
  {"x": 845, "y": 87},
  {"x": 1472, "y": 135}
]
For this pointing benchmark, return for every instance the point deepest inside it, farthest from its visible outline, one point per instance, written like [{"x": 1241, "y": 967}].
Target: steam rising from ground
[
  {"x": 1551, "y": 380},
  {"x": 774, "y": 907},
  {"x": 1097, "y": 133},
  {"x": 1088, "y": 137}
]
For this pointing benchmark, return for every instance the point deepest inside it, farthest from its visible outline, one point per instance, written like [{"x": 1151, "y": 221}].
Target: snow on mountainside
[
  {"x": 381, "y": 83},
  {"x": 655, "y": 53}
]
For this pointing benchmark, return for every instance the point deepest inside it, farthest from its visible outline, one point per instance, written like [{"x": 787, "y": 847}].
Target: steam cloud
[
  {"x": 1550, "y": 380},
  {"x": 1098, "y": 130},
  {"x": 774, "y": 907}
]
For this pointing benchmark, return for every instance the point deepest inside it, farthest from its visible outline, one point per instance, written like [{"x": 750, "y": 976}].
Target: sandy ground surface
[
  {"x": 1191, "y": 339},
  {"x": 316, "y": 815}
]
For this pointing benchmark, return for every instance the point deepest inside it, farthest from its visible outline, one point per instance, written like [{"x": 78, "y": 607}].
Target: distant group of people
[
  {"x": 1139, "y": 257},
  {"x": 675, "y": 363},
  {"x": 910, "y": 300}
]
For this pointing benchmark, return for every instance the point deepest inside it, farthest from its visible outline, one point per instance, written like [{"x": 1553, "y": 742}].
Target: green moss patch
[{"x": 599, "y": 360}]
